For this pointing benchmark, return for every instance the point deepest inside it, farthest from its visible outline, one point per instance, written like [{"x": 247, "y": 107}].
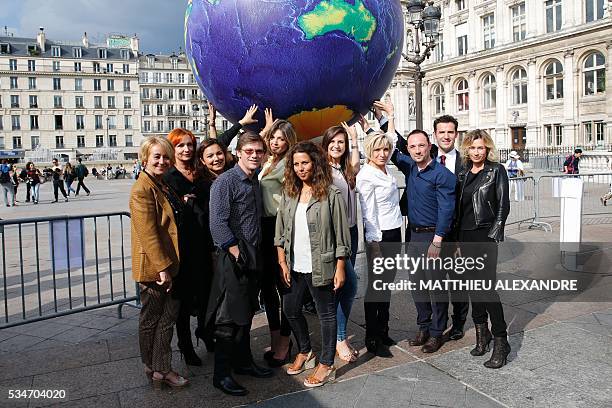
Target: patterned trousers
[{"x": 156, "y": 327}]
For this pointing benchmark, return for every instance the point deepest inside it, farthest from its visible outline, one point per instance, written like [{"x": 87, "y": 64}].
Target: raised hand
[
  {"x": 386, "y": 107},
  {"x": 212, "y": 112},
  {"x": 269, "y": 121},
  {"x": 248, "y": 118},
  {"x": 350, "y": 131}
]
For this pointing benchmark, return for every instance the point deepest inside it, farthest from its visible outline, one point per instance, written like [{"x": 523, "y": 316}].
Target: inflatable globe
[{"x": 314, "y": 62}]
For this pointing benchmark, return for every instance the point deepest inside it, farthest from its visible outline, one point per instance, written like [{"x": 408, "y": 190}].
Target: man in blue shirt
[{"x": 431, "y": 205}]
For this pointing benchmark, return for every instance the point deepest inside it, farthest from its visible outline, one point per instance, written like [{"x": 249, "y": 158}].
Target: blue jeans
[
  {"x": 346, "y": 295},
  {"x": 35, "y": 192}
]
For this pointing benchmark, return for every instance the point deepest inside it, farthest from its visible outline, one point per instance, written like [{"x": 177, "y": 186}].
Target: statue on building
[{"x": 411, "y": 105}]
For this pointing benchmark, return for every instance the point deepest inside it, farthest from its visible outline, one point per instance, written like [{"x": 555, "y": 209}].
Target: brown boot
[
  {"x": 483, "y": 338},
  {"x": 433, "y": 344},
  {"x": 420, "y": 339}
]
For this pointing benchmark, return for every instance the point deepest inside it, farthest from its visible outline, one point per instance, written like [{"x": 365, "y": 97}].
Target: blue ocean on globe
[{"x": 314, "y": 62}]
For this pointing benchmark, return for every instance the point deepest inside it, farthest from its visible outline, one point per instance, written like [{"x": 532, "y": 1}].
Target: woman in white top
[
  {"x": 345, "y": 166},
  {"x": 382, "y": 220}
]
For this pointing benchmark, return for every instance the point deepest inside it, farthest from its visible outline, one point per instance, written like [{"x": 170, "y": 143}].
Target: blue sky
[{"x": 158, "y": 24}]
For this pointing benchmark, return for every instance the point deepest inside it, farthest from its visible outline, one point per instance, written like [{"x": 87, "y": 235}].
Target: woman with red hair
[{"x": 193, "y": 284}]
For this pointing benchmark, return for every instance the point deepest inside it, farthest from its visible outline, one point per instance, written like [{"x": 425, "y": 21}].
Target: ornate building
[
  {"x": 69, "y": 98},
  {"x": 534, "y": 73}
]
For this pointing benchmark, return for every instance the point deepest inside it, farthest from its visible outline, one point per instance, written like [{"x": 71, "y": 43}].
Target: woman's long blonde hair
[{"x": 469, "y": 138}]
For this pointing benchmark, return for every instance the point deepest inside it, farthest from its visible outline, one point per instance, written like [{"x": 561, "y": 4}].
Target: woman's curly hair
[{"x": 321, "y": 178}]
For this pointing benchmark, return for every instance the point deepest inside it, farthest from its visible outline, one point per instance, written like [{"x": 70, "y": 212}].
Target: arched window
[
  {"x": 554, "y": 81},
  {"x": 489, "y": 87},
  {"x": 519, "y": 87},
  {"x": 595, "y": 74},
  {"x": 463, "y": 96},
  {"x": 438, "y": 98}
]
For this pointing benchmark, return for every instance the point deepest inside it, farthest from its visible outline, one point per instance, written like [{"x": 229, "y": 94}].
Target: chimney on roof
[
  {"x": 41, "y": 39},
  {"x": 85, "y": 40},
  {"x": 135, "y": 45}
]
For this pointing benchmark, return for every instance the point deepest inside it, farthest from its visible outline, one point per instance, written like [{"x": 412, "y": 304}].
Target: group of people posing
[{"x": 213, "y": 235}]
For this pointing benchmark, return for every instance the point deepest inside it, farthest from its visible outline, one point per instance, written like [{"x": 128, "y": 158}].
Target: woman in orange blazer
[{"x": 156, "y": 215}]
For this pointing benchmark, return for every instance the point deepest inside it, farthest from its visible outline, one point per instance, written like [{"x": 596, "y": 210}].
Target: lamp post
[
  {"x": 426, "y": 22},
  {"x": 107, "y": 130}
]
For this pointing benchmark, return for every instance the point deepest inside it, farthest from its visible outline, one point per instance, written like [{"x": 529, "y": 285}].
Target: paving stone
[
  {"x": 95, "y": 379},
  {"x": 22, "y": 383},
  {"x": 45, "y": 329},
  {"x": 76, "y": 334},
  {"x": 395, "y": 392},
  {"x": 33, "y": 362},
  {"x": 19, "y": 342},
  {"x": 99, "y": 401}
]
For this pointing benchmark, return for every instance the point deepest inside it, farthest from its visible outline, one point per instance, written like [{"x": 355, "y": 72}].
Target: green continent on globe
[{"x": 355, "y": 20}]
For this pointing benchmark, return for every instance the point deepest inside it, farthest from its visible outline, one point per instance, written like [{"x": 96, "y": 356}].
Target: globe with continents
[{"x": 314, "y": 62}]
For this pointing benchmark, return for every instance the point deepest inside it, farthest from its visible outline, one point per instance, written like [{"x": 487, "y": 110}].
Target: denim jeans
[
  {"x": 324, "y": 299},
  {"x": 344, "y": 300},
  {"x": 35, "y": 189},
  {"x": 9, "y": 193}
]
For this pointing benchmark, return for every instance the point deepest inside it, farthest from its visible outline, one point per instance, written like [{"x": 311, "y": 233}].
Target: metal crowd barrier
[
  {"x": 548, "y": 204},
  {"x": 55, "y": 266}
]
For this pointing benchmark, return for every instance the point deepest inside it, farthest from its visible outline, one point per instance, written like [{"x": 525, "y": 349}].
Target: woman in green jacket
[{"x": 313, "y": 240}]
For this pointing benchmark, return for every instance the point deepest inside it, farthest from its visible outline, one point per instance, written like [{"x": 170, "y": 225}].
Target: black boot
[
  {"x": 499, "y": 357},
  {"x": 483, "y": 338},
  {"x": 386, "y": 340}
]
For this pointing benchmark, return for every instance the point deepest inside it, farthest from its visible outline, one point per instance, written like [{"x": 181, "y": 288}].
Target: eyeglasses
[{"x": 249, "y": 152}]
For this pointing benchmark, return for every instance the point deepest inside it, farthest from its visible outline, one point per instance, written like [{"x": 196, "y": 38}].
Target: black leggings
[
  {"x": 492, "y": 306},
  {"x": 271, "y": 287}
]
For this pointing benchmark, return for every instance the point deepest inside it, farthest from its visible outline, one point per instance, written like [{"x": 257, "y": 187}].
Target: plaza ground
[{"x": 561, "y": 357}]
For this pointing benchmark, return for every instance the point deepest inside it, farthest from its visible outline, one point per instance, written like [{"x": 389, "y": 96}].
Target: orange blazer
[{"x": 154, "y": 232}]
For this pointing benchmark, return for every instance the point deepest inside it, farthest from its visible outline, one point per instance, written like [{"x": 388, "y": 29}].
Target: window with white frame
[
  {"x": 125, "y": 54},
  {"x": 78, "y": 84},
  {"x": 594, "y": 74},
  {"x": 112, "y": 122},
  {"x": 554, "y": 134},
  {"x": 461, "y": 31},
  {"x": 489, "y": 88},
  {"x": 79, "y": 102},
  {"x": 519, "y": 25},
  {"x": 126, "y": 68},
  {"x": 593, "y": 132},
  {"x": 554, "y": 81},
  {"x": 438, "y": 98},
  {"x": 488, "y": 31},
  {"x": 129, "y": 141},
  {"x": 127, "y": 102},
  {"x": 80, "y": 141},
  {"x": 56, "y": 66},
  {"x": 460, "y": 4},
  {"x": 99, "y": 140},
  {"x": 56, "y": 51},
  {"x": 98, "y": 122},
  {"x": 76, "y": 52},
  {"x": 102, "y": 53},
  {"x": 96, "y": 67},
  {"x": 594, "y": 10},
  {"x": 111, "y": 102},
  {"x": 519, "y": 87},
  {"x": 97, "y": 102},
  {"x": 439, "y": 50},
  {"x": 31, "y": 65},
  {"x": 109, "y": 68},
  {"x": 160, "y": 125},
  {"x": 31, "y": 83},
  {"x": 150, "y": 61},
  {"x": 147, "y": 125},
  {"x": 13, "y": 64},
  {"x": 97, "y": 83},
  {"x": 77, "y": 67},
  {"x": 13, "y": 82},
  {"x": 127, "y": 122},
  {"x": 553, "y": 15},
  {"x": 463, "y": 96}
]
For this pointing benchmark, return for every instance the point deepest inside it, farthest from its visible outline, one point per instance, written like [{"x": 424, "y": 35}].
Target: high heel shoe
[
  {"x": 312, "y": 381},
  {"x": 483, "y": 338},
  {"x": 178, "y": 382},
  {"x": 191, "y": 358},
  {"x": 207, "y": 338},
  {"x": 275, "y": 362},
  {"x": 308, "y": 364}
]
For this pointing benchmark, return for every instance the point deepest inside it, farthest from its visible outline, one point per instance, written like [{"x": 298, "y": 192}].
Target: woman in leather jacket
[{"x": 482, "y": 208}]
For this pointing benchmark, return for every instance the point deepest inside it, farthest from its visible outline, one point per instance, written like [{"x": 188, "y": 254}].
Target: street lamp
[
  {"x": 107, "y": 130},
  {"x": 425, "y": 20}
]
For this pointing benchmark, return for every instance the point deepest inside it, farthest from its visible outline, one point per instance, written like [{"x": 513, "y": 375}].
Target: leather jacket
[{"x": 491, "y": 199}]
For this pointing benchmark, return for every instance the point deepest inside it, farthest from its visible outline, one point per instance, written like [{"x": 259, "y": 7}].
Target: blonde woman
[
  {"x": 155, "y": 214},
  {"x": 481, "y": 212},
  {"x": 382, "y": 221}
]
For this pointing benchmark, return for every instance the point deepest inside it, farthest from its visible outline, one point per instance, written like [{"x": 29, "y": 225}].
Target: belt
[{"x": 423, "y": 229}]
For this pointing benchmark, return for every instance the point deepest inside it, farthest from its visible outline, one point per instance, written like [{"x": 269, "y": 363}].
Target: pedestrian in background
[
  {"x": 6, "y": 183},
  {"x": 514, "y": 167},
  {"x": 34, "y": 180},
  {"x": 155, "y": 217},
  {"x": 58, "y": 180},
  {"x": 570, "y": 166},
  {"x": 23, "y": 177},
  {"x": 69, "y": 176},
  {"x": 81, "y": 172}
]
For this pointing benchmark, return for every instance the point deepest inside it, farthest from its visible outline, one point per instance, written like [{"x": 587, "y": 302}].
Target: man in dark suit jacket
[{"x": 445, "y": 133}]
